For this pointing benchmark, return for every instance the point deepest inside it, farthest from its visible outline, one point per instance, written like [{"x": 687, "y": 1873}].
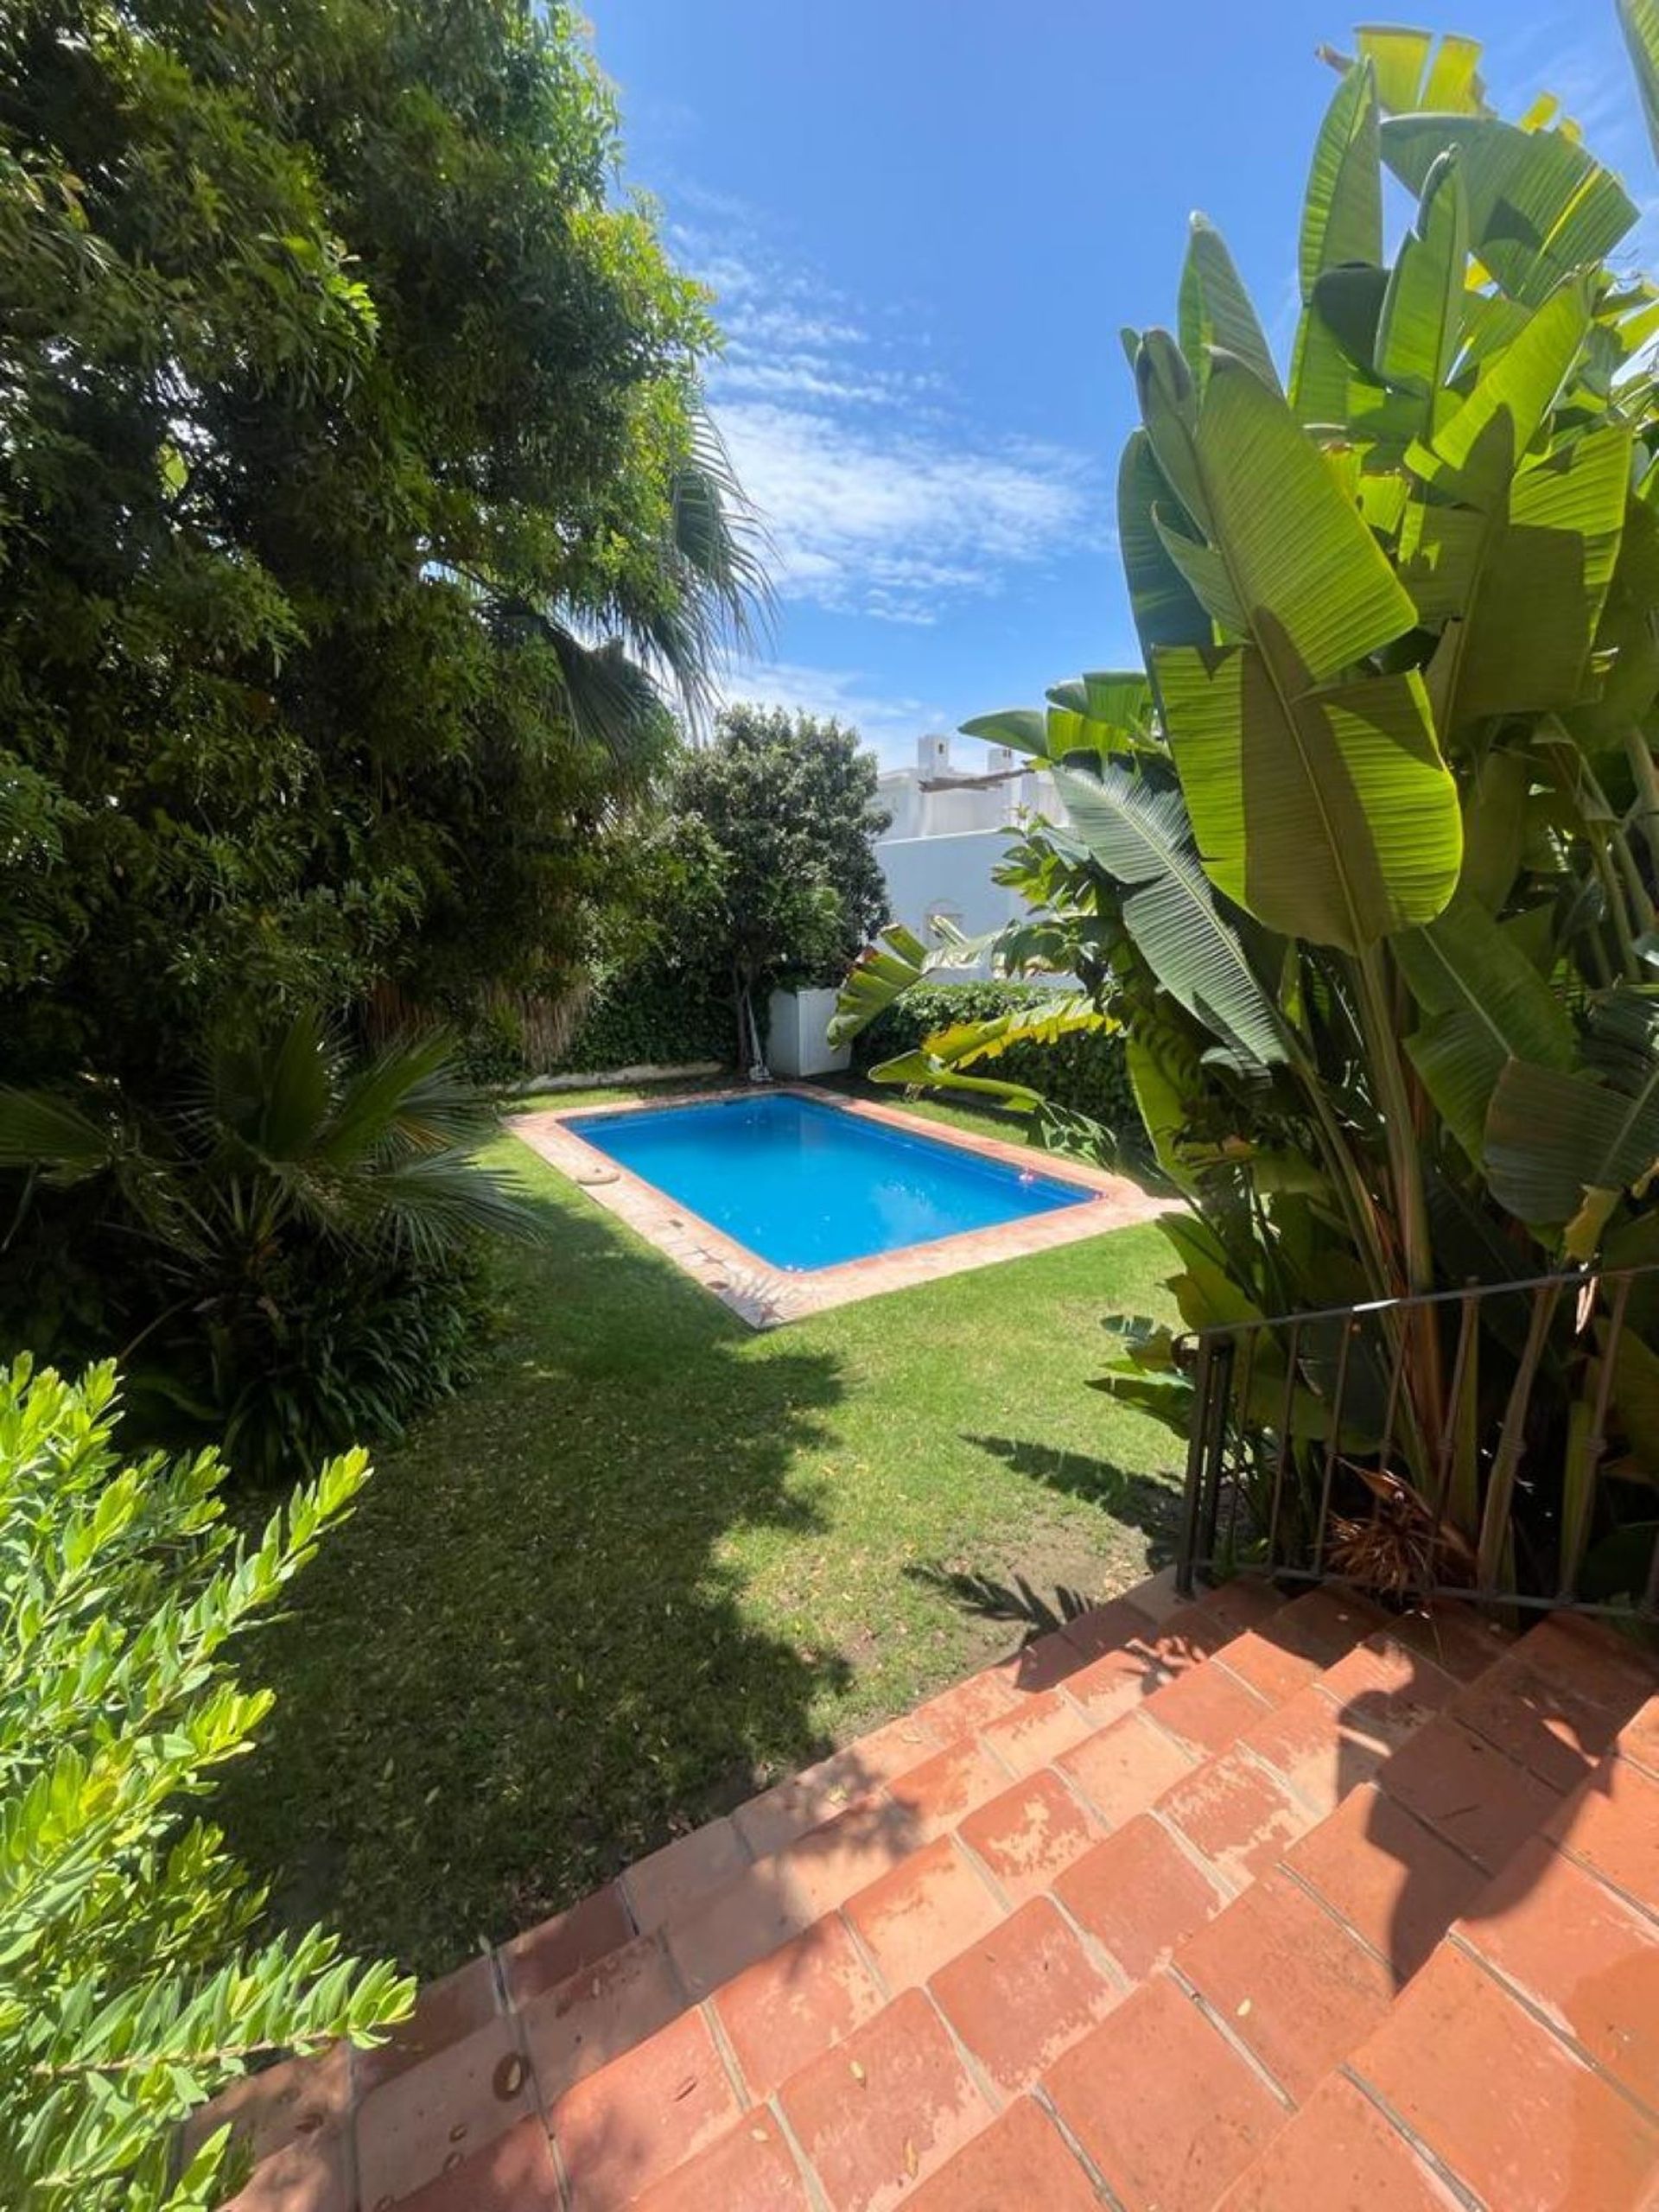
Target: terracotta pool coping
[{"x": 765, "y": 1296}]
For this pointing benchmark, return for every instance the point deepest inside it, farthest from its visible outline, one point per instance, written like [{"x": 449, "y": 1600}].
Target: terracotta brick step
[
  {"x": 1036, "y": 2040},
  {"x": 964, "y": 1912},
  {"x": 596, "y": 1978},
  {"x": 1026, "y": 1835},
  {"x": 1438, "y": 2035}
]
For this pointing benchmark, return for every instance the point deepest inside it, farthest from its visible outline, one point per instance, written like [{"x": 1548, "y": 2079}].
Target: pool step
[{"x": 812, "y": 1911}]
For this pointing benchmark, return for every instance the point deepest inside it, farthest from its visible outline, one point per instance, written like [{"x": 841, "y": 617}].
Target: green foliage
[
  {"x": 360, "y": 530},
  {"x": 649, "y": 1015},
  {"x": 133, "y": 1983},
  {"x": 1084, "y": 1072},
  {"x": 354, "y": 473},
  {"x": 1365, "y": 867},
  {"x": 287, "y": 1246},
  {"x": 775, "y": 876}
]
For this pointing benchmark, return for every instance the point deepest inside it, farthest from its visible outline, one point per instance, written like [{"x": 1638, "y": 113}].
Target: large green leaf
[
  {"x": 1168, "y": 611},
  {"x": 1318, "y": 798},
  {"x": 1627, "y": 636},
  {"x": 1636, "y": 1394},
  {"x": 1561, "y": 1145},
  {"x": 1025, "y": 729},
  {"x": 1475, "y": 449},
  {"x": 1528, "y": 575},
  {"x": 1421, "y": 321},
  {"x": 1484, "y": 1005},
  {"x": 1216, "y": 309},
  {"x": 1494, "y": 827},
  {"x": 1411, "y": 74},
  {"x": 1296, "y": 552},
  {"x": 1342, "y": 207},
  {"x": 1166, "y": 1076},
  {"x": 919, "y": 1068},
  {"x": 1331, "y": 816},
  {"x": 1068, "y": 1013},
  {"x": 1121, "y": 698},
  {"x": 1527, "y": 642},
  {"x": 897, "y": 962},
  {"x": 1109, "y": 710},
  {"x": 1639, "y": 20},
  {"x": 943, "y": 1061},
  {"x": 1211, "y": 581},
  {"x": 1143, "y": 838},
  {"x": 1540, "y": 208},
  {"x": 1341, "y": 223},
  {"x": 49, "y": 1134}
]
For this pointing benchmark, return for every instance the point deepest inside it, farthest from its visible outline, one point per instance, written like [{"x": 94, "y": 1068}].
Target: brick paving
[{"x": 1253, "y": 1905}]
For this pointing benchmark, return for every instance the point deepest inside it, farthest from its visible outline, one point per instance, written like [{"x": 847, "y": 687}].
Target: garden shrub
[
  {"x": 292, "y": 1249},
  {"x": 649, "y": 1015},
  {"x": 636, "y": 1015},
  {"x": 133, "y": 1982},
  {"x": 1084, "y": 1074}
]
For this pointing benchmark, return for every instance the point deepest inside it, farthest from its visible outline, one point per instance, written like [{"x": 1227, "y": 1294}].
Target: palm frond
[
  {"x": 424, "y": 1209},
  {"x": 611, "y": 700},
  {"x": 407, "y": 1100},
  {"x": 61, "y": 1141}
]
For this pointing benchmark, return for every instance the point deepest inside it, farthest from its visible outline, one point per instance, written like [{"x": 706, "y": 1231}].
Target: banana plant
[{"x": 1378, "y": 822}]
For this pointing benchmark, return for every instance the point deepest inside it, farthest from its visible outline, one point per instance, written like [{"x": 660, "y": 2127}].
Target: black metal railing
[{"x": 1501, "y": 1441}]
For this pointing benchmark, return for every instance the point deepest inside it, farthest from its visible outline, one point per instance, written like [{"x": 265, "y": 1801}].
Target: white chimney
[
  {"x": 1001, "y": 761},
  {"x": 933, "y": 755}
]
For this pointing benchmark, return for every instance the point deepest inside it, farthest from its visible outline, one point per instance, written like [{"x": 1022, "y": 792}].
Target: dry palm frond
[{"x": 1401, "y": 1546}]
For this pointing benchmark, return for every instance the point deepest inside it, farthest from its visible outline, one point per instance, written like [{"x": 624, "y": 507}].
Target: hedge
[
  {"x": 638, "y": 1017},
  {"x": 1086, "y": 1073}
]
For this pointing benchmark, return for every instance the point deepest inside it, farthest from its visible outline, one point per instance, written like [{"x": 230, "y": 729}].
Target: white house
[{"x": 950, "y": 830}]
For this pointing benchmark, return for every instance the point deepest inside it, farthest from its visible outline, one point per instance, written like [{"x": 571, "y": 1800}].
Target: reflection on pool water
[{"x": 807, "y": 1185}]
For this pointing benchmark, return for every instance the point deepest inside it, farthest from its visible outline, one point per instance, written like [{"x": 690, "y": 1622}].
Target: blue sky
[{"x": 927, "y": 221}]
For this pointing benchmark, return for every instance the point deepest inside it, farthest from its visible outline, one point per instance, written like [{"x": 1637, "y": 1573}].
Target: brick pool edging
[{"x": 766, "y": 1296}]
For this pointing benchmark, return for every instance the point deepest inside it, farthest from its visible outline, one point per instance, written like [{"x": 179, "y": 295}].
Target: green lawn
[{"x": 652, "y": 1560}]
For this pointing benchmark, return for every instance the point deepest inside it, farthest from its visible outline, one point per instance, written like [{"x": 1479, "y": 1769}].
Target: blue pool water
[{"x": 806, "y": 1185}]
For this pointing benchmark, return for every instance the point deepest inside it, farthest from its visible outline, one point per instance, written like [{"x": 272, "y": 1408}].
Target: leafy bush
[
  {"x": 132, "y": 1984},
  {"x": 289, "y": 1251},
  {"x": 1083, "y": 1073},
  {"x": 649, "y": 1013},
  {"x": 771, "y": 875}
]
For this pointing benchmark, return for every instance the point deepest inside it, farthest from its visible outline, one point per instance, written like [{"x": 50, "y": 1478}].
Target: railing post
[
  {"x": 1186, "y": 1556},
  {"x": 1222, "y": 1359}
]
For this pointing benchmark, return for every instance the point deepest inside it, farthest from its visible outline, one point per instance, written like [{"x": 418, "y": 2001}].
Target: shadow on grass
[
  {"x": 526, "y": 1662},
  {"x": 1139, "y": 1500},
  {"x": 1017, "y": 1601}
]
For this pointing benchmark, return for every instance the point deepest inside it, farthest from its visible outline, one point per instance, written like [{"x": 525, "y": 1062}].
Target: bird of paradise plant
[{"x": 1363, "y": 860}]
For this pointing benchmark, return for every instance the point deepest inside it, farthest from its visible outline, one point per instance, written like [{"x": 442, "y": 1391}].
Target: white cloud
[
  {"x": 889, "y": 726},
  {"x": 880, "y": 520},
  {"x": 880, "y": 499}
]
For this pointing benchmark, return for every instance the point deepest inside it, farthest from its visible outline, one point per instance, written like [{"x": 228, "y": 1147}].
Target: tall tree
[
  {"x": 361, "y": 533},
  {"x": 358, "y": 520},
  {"x": 777, "y": 820}
]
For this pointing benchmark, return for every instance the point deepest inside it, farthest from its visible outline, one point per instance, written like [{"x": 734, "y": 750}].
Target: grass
[{"x": 652, "y": 1560}]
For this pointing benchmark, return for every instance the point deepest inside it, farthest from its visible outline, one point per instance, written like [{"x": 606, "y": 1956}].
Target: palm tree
[{"x": 301, "y": 1226}]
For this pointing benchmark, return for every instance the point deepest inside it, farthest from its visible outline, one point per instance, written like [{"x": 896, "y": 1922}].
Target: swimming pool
[{"x": 805, "y": 1186}]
